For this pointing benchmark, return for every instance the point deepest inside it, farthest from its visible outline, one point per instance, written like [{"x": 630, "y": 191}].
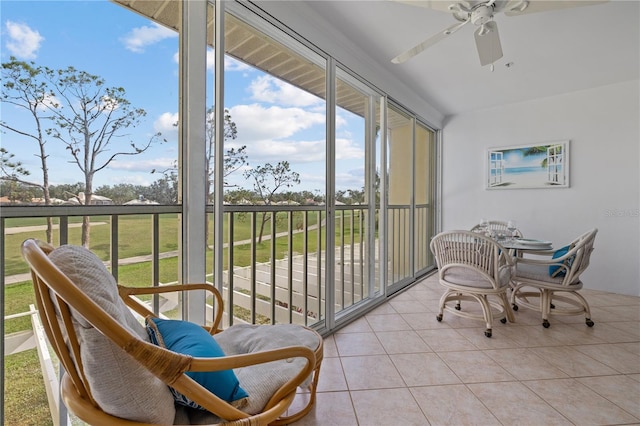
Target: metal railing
[{"x": 273, "y": 273}]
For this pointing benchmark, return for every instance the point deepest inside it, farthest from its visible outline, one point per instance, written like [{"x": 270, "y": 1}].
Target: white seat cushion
[{"x": 262, "y": 380}]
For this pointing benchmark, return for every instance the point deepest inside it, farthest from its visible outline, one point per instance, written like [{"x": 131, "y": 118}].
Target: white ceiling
[{"x": 552, "y": 52}]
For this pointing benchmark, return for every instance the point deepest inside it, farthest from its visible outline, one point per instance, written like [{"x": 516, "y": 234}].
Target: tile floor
[{"x": 399, "y": 366}]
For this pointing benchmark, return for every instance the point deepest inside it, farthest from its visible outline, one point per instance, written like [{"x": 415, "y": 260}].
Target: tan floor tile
[
  {"x": 573, "y": 362},
  {"x": 630, "y": 327},
  {"x": 624, "y": 313},
  {"x": 331, "y": 376},
  {"x": 497, "y": 340},
  {"x": 570, "y": 334},
  {"x": 388, "y": 322},
  {"x": 530, "y": 335},
  {"x": 424, "y": 321},
  {"x": 514, "y": 404},
  {"x": 383, "y": 309},
  {"x": 423, "y": 369},
  {"x": 409, "y": 306},
  {"x": 387, "y": 407},
  {"x": 452, "y": 405},
  {"x": 329, "y": 349},
  {"x": 357, "y": 326},
  {"x": 475, "y": 367},
  {"x": 350, "y": 344},
  {"x": 617, "y": 358},
  {"x": 330, "y": 409},
  {"x": 402, "y": 342},
  {"x": 579, "y": 403},
  {"x": 371, "y": 372},
  {"x": 413, "y": 366},
  {"x": 446, "y": 340},
  {"x": 621, "y": 390},
  {"x": 633, "y": 347},
  {"x": 608, "y": 333},
  {"x": 523, "y": 364},
  {"x": 610, "y": 299}
]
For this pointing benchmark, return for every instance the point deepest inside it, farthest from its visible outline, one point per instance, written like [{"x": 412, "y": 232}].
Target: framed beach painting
[{"x": 544, "y": 165}]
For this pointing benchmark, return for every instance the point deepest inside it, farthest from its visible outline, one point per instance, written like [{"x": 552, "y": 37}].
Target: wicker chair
[
  {"x": 98, "y": 339},
  {"x": 473, "y": 267},
  {"x": 498, "y": 227},
  {"x": 548, "y": 281}
]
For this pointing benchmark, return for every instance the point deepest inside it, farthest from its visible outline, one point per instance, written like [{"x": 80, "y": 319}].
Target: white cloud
[
  {"x": 271, "y": 90},
  {"x": 255, "y": 122},
  {"x": 22, "y": 41},
  {"x": 165, "y": 124},
  {"x": 146, "y": 165},
  {"x": 351, "y": 179},
  {"x": 347, "y": 150},
  {"x": 141, "y": 37}
]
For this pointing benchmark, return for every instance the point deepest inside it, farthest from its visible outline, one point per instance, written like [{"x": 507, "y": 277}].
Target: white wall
[{"x": 603, "y": 127}]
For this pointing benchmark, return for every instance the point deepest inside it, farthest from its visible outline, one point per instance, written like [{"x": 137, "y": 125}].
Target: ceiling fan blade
[
  {"x": 523, "y": 7},
  {"x": 403, "y": 57},
  {"x": 488, "y": 44},
  {"x": 440, "y": 5}
]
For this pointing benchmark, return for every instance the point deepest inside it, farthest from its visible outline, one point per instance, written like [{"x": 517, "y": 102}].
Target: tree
[
  {"x": 66, "y": 191},
  {"x": 91, "y": 119},
  {"x": 269, "y": 179},
  {"x": 233, "y": 158},
  {"x": 164, "y": 190},
  {"x": 120, "y": 193},
  {"x": 24, "y": 88}
]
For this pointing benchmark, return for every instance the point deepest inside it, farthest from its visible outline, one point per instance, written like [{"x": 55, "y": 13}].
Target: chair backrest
[
  {"x": 65, "y": 309},
  {"x": 496, "y": 226},
  {"x": 470, "y": 252},
  {"x": 580, "y": 253}
]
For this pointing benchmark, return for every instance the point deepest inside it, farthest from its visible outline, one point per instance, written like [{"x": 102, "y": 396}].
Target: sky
[{"x": 276, "y": 121}]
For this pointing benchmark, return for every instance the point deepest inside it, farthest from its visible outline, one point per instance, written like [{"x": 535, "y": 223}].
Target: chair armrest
[
  {"x": 545, "y": 257},
  {"x": 221, "y": 408},
  {"x": 127, "y": 293}
]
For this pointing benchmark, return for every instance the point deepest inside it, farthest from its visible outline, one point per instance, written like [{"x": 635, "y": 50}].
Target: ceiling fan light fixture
[
  {"x": 484, "y": 30},
  {"x": 519, "y": 6}
]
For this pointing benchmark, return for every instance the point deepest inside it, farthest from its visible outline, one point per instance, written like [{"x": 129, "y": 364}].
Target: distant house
[
  {"x": 51, "y": 200},
  {"x": 96, "y": 200},
  {"x": 140, "y": 201}
]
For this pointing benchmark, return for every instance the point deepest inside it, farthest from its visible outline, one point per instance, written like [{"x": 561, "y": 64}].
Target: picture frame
[{"x": 541, "y": 165}]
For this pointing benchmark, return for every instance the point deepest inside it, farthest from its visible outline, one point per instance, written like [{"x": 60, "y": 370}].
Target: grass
[{"x": 25, "y": 400}]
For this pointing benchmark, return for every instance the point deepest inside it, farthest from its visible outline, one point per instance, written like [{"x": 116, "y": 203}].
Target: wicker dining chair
[
  {"x": 115, "y": 375},
  {"x": 473, "y": 267},
  {"x": 498, "y": 227},
  {"x": 548, "y": 281}
]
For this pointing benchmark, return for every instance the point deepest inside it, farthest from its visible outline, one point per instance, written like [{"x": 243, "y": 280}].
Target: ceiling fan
[{"x": 481, "y": 14}]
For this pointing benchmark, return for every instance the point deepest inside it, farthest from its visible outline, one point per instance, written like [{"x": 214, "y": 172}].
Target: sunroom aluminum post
[
  {"x": 218, "y": 192},
  {"x": 193, "y": 49},
  {"x": 384, "y": 213},
  {"x": 330, "y": 197}
]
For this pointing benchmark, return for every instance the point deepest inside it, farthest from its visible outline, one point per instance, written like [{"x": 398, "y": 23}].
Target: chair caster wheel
[
  {"x": 503, "y": 320},
  {"x": 589, "y": 322},
  {"x": 514, "y": 307},
  {"x": 439, "y": 317},
  {"x": 487, "y": 332},
  {"x": 545, "y": 324},
  {"x": 458, "y": 307}
]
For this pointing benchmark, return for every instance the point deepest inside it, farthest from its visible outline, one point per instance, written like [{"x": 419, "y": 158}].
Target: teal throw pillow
[
  {"x": 556, "y": 270},
  {"x": 191, "y": 339}
]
